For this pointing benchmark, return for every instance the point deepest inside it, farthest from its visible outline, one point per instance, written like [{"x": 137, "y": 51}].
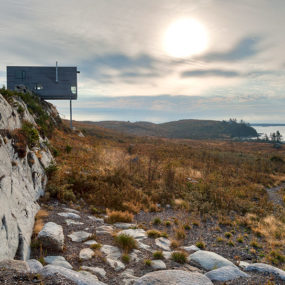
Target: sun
[{"x": 185, "y": 37}]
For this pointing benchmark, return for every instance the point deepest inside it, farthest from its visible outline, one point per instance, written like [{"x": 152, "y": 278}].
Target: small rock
[
  {"x": 191, "y": 248},
  {"x": 89, "y": 275},
  {"x": 243, "y": 264},
  {"x": 95, "y": 270},
  {"x": 86, "y": 253},
  {"x": 158, "y": 265},
  {"x": 167, "y": 254},
  {"x": 74, "y": 276},
  {"x": 128, "y": 277},
  {"x": 124, "y": 225},
  {"x": 115, "y": 264},
  {"x": 134, "y": 255},
  {"x": 79, "y": 236},
  {"x": 34, "y": 265},
  {"x": 72, "y": 222},
  {"x": 163, "y": 243},
  {"x": 265, "y": 268},
  {"x": 144, "y": 246},
  {"x": 112, "y": 252},
  {"x": 135, "y": 233},
  {"x": 173, "y": 277},
  {"x": 51, "y": 236},
  {"x": 209, "y": 260},
  {"x": 226, "y": 273},
  {"x": 95, "y": 219},
  {"x": 58, "y": 261},
  {"x": 103, "y": 230},
  {"x": 69, "y": 215},
  {"x": 91, "y": 242},
  {"x": 71, "y": 210}
]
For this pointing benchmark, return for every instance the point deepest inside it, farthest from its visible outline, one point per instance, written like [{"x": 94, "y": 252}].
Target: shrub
[
  {"x": 200, "y": 244},
  {"x": 96, "y": 246},
  {"x": 255, "y": 244},
  {"x": 51, "y": 169},
  {"x": 187, "y": 227},
  {"x": 168, "y": 224},
  {"x": 153, "y": 233},
  {"x": 158, "y": 255},
  {"x": 276, "y": 257},
  {"x": 147, "y": 262},
  {"x": 31, "y": 134},
  {"x": 180, "y": 233},
  {"x": 231, "y": 243},
  {"x": 126, "y": 258},
  {"x": 126, "y": 242},
  {"x": 156, "y": 221},
  {"x": 68, "y": 149},
  {"x": 228, "y": 235},
  {"x": 174, "y": 244},
  {"x": 119, "y": 216},
  {"x": 220, "y": 239},
  {"x": 240, "y": 239},
  {"x": 179, "y": 257}
]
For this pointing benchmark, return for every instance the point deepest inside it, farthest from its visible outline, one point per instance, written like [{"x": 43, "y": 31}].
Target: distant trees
[
  {"x": 239, "y": 129},
  {"x": 275, "y": 137}
]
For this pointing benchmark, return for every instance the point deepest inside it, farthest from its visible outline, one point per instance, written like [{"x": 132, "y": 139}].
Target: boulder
[
  {"x": 95, "y": 219},
  {"x": 34, "y": 265},
  {"x": 209, "y": 260},
  {"x": 104, "y": 230},
  {"x": 86, "y": 254},
  {"x": 91, "y": 242},
  {"x": 135, "y": 233},
  {"x": 265, "y": 268},
  {"x": 173, "y": 277},
  {"x": 72, "y": 222},
  {"x": 128, "y": 277},
  {"x": 124, "y": 226},
  {"x": 144, "y": 246},
  {"x": 51, "y": 236},
  {"x": 226, "y": 273},
  {"x": 17, "y": 265},
  {"x": 158, "y": 265},
  {"x": 71, "y": 275},
  {"x": 79, "y": 236},
  {"x": 163, "y": 243},
  {"x": 71, "y": 210},
  {"x": 58, "y": 261}
]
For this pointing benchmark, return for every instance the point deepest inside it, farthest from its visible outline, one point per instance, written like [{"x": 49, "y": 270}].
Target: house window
[
  {"x": 20, "y": 74},
  {"x": 38, "y": 87},
  {"x": 73, "y": 89}
]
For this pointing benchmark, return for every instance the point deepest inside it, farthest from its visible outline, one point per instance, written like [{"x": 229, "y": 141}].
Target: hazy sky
[{"x": 127, "y": 72}]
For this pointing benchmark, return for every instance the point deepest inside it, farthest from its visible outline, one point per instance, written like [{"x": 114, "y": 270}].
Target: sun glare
[{"x": 185, "y": 37}]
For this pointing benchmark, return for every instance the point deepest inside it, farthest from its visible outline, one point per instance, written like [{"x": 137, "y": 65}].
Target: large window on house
[{"x": 20, "y": 74}]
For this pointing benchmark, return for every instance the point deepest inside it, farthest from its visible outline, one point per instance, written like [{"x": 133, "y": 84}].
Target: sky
[{"x": 126, "y": 70}]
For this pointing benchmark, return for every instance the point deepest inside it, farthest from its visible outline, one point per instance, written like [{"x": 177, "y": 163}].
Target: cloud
[
  {"x": 210, "y": 72},
  {"x": 245, "y": 48}
]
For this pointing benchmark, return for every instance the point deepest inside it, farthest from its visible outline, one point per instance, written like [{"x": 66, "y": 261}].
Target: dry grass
[
  {"x": 39, "y": 221},
  {"x": 119, "y": 217}
]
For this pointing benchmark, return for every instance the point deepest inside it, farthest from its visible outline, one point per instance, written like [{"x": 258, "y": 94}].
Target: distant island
[
  {"x": 267, "y": 125},
  {"x": 183, "y": 129}
]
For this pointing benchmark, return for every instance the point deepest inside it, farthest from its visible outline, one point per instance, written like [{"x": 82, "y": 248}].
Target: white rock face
[
  {"x": 77, "y": 277},
  {"x": 265, "y": 268},
  {"x": 58, "y": 261},
  {"x": 163, "y": 243},
  {"x": 209, "y": 260},
  {"x": 86, "y": 253},
  {"x": 51, "y": 236},
  {"x": 173, "y": 277},
  {"x": 21, "y": 184},
  {"x": 226, "y": 273}
]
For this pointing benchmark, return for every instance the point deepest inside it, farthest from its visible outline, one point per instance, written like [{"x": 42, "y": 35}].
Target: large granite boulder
[
  {"x": 173, "y": 277},
  {"x": 17, "y": 265},
  {"x": 226, "y": 273},
  {"x": 209, "y": 260},
  {"x": 265, "y": 268},
  {"x": 51, "y": 236}
]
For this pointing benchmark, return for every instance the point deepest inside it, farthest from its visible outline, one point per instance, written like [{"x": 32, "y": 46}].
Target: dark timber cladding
[{"x": 53, "y": 83}]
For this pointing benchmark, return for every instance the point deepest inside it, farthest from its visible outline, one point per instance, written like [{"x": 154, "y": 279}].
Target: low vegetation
[
  {"x": 119, "y": 217},
  {"x": 126, "y": 242},
  {"x": 179, "y": 257}
]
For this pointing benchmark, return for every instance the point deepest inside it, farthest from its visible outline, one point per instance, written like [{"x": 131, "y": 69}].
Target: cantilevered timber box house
[{"x": 47, "y": 82}]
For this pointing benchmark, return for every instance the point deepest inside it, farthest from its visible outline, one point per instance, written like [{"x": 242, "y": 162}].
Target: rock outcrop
[{"x": 22, "y": 180}]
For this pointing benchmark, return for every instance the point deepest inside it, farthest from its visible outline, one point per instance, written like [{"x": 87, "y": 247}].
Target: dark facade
[{"x": 53, "y": 83}]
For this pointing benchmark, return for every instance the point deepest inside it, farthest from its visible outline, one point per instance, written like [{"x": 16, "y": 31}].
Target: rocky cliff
[{"x": 23, "y": 160}]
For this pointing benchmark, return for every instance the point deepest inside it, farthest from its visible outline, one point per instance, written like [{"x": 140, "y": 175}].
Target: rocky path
[
  {"x": 81, "y": 248},
  {"x": 274, "y": 195}
]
